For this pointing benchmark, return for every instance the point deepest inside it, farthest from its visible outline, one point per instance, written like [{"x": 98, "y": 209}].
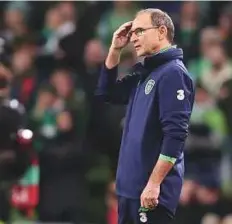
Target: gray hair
[{"x": 161, "y": 18}]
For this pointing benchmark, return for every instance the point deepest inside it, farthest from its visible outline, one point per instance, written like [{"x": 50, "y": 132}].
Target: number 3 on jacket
[{"x": 180, "y": 94}]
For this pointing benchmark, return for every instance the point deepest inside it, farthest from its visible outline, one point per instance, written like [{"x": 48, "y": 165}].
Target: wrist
[
  {"x": 113, "y": 58},
  {"x": 154, "y": 183},
  {"x": 115, "y": 50}
]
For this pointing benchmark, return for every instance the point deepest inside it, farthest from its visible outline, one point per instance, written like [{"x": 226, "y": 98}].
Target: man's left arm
[{"x": 176, "y": 96}]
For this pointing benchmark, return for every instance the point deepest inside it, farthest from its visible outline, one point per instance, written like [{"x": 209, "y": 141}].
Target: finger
[
  {"x": 125, "y": 25},
  {"x": 141, "y": 202},
  {"x": 153, "y": 202},
  {"x": 147, "y": 203},
  {"x": 123, "y": 31},
  {"x": 123, "y": 28}
]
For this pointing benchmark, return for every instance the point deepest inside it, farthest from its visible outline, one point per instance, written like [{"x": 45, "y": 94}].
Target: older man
[{"x": 160, "y": 96}]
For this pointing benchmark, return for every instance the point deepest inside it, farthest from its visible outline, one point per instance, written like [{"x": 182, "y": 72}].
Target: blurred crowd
[{"x": 54, "y": 51}]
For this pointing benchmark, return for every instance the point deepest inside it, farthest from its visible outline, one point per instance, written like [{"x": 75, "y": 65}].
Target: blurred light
[
  {"x": 26, "y": 134},
  {"x": 14, "y": 104}
]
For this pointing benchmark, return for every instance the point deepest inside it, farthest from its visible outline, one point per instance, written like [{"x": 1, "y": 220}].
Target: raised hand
[{"x": 121, "y": 36}]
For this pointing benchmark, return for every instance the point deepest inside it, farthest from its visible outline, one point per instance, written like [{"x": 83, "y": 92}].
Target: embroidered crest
[{"x": 149, "y": 86}]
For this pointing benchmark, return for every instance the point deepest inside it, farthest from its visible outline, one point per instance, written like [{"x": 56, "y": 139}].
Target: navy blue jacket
[{"x": 160, "y": 96}]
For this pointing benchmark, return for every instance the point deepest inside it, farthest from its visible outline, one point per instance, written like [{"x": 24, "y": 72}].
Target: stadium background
[{"x": 55, "y": 50}]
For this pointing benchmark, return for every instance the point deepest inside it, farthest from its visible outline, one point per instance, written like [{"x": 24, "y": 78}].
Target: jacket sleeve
[
  {"x": 112, "y": 90},
  {"x": 176, "y": 97}
]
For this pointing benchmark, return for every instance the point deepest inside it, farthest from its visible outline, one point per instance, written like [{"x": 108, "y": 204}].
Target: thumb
[{"x": 142, "y": 202}]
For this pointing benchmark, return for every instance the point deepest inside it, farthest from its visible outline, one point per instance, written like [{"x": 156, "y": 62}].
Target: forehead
[{"x": 142, "y": 20}]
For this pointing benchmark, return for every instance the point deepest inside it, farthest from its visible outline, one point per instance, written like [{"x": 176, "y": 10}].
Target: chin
[{"x": 140, "y": 53}]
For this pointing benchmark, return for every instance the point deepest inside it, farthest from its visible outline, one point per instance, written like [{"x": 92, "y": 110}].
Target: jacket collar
[
  {"x": 143, "y": 69},
  {"x": 162, "y": 57}
]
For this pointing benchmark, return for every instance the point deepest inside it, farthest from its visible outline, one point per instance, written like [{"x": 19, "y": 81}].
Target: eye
[{"x": 139, "y": 32}]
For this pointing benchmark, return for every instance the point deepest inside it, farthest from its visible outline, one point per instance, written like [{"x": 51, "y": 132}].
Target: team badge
[{"x": 149, "y": 86}]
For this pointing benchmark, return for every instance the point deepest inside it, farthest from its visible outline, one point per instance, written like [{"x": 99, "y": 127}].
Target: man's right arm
[
  {"x": 109, "y": 88},
  {"x": 113, "y": 58}
]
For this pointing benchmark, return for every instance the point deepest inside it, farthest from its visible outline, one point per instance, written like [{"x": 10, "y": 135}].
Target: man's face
[
  {"x": 144, "y": 36},
  {"x": 94, "y": 52},
  {"x": 22, "y": 61},
  {"x": 63, "y": 84},
  {"x": 46, "y": 99}
]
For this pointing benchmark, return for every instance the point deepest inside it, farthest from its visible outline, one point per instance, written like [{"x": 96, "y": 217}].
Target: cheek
[
  {"x": 147, "y": 41},
  {"x": 143, "y": 42}
]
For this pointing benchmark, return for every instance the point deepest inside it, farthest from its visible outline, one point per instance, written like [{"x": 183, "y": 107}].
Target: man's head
[
  {"x": 94, "y": 53},
  {"x": 152, "y": 30},
  {"x": 210, "y": 37},
  {"x": 217, "y": 56},
  {"x": 62, "y": 80},
  {"x": 47, "y": 95}
]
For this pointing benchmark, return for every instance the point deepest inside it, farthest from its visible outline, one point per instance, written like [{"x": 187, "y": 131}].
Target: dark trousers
[{"x": 128, "y": 213}]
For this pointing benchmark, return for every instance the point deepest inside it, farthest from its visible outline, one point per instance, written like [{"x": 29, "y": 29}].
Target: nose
[{"x": 133, "y": 38}]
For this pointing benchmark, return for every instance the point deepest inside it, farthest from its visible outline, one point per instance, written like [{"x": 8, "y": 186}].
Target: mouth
[{"x": 137, "y": 47}]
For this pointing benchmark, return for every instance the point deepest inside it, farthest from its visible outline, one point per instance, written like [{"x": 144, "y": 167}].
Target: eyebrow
[{"x": 132, "y": 30}]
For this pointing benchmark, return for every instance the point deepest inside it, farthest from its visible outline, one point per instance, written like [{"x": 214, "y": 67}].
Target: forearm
[
  {"x": 109, "y": 72},
  {"x": 113, "y": 58},
  {"x": 160, "y": 171},
  {"x": 109, "y": 88}
]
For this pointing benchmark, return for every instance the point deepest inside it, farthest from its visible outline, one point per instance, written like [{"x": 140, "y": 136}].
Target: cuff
[{"x": 167, "y": 158}]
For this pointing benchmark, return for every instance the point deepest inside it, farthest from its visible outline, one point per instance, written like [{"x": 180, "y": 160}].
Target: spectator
[
  {"x": 25, "y": 74},
  {"x": 188, "y": 30},
  {"x": 224, "y": 102},
  {"x": 72, "y": 97},
  {"x": 208, "y": 125},
  {"x": 63, "y": 40},
  {"x": 220, "y": 72},
  {"x": 62, "y": 184},
  {"x": 63, "y": 187},
  {"x": 69, "y": 13},
  {"x": 94, "y": 55},
  {"x": 39, "y": 115},
  {"x": 53, "y": 21},
  {"x": 15, "y": 25},
  {"x": 225, "y": 26},
  {"x": 210, "y": 37},
  {"x": 203, "y": 151}
]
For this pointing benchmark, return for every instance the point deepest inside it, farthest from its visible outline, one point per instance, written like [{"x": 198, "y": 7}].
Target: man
[{"x": 160, "y": 97}]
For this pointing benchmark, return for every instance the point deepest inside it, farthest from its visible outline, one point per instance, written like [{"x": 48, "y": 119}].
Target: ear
[{"x": 162, "y": 32}]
